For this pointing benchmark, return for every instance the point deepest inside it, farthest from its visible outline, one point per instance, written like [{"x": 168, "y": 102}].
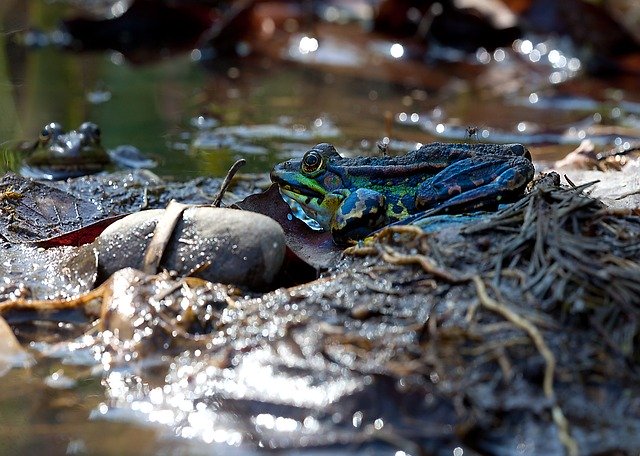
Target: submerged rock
[{"x": 220, "y": 245}]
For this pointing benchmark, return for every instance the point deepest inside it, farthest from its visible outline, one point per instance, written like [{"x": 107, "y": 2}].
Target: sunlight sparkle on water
[
  {"x": 483, "y": 56},
  {"x": 196, "y": 55},
  {"x": 118, "y": 8},
  {"x": 116, "y": 58},
  {"x": 523, "y": 46},
  {"x": 535, "y": 55},
  {"x": 555, "y": 77},
  {"x": 574, "y": 64},
  {"x": 356, "y": 420},
  {"x": 277, "y": 423},
  {"x": 396, "y": 50},
  {"x": 556, "y": 59},
  {"x": 307, "y": 45}
]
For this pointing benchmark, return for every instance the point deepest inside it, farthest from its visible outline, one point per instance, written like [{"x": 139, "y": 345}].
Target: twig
[
  {"x": 54, "y": 304},
  {"x": 547, "y": 385},
  {"x": 388, "y": 232},
  {"x": 525, "y": 325},
  {"x": 426, "y": 263},
  {"x": 631, "y": 193},
  {"x": 357, "y": 250},
  {"x": 161, "y": 236},
  {"x": 227, "y": 180}
]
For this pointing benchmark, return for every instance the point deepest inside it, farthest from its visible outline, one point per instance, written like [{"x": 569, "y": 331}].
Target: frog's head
[
  {"x": 75, "y": 143},
  {"x": 57, "y": 154},
  {"x": 313, "y": 182}
]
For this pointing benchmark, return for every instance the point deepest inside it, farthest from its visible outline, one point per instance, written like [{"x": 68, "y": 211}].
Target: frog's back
[{"x": 425, "y": 161}]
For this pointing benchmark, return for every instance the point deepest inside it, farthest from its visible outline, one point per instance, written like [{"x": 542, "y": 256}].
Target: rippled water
[{"x": 196, "y": 117}]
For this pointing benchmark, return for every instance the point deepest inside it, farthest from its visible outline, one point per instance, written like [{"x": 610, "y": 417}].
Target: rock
[
  {"x": 617, "y": 189},
  {"x": 242, "y": 248}
]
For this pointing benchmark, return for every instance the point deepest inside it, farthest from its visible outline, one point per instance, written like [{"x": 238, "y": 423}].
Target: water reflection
[{"x": 151, "y": 105}]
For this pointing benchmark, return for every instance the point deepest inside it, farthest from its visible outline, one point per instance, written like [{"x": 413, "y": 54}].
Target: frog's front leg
[
  {"x": 360, "y": 213},
  {"x": 475, "y": 183}
]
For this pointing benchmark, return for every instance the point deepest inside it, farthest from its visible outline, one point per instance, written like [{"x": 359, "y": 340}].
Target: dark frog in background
[
  {"x": 353, "y": 197},
  {"x": 59, "y": 155}
]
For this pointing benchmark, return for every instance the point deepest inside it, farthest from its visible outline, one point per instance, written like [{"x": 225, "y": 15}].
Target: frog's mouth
[
  {"x": 300, "y": 191},
  {"x": 307, "y": 193},
  {"x": 308, "y": 198},
  {"x": 310, "y": 204},
  {"x": 290, "y": 183}
]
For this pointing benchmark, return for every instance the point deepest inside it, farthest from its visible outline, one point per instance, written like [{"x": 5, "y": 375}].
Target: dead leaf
[
  {"x": 316, "y": 248},
  {"x": 31, "y": 211}
]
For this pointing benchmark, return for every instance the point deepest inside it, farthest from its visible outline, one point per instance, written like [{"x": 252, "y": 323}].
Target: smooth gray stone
[{"x": 244, "y": 248}]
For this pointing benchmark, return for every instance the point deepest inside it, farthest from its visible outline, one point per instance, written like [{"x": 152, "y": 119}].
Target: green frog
[
  {"x": 352, "y": 197},
  {"x": 59, "y": 155}
]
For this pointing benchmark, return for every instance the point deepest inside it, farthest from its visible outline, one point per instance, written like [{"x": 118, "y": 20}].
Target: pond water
[{"x": 196, "y": 116}]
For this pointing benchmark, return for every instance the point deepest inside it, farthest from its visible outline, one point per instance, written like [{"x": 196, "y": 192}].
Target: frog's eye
[
  {"x": 49, "y": 131},
  {"x": 45, "y": 135},
  {"x": 312, "y": 161},
  {"x": 91, "y": 130}
]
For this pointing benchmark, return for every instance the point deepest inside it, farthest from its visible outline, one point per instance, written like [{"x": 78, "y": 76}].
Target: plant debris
[
  {"x": 577, "y": 257},
  {"x": 493, "y": 337}
]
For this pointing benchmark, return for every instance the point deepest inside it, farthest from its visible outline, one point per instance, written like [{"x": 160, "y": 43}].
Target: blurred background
[{"x": 198, "y": 84}]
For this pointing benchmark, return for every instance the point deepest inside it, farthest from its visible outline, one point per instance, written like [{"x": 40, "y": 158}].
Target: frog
[
  {"x": 57, "y": 154},
  {"x": 353, "y": 197}
]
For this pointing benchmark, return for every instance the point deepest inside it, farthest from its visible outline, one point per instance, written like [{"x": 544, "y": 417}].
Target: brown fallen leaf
[
  {"x": 31, "y": 211},
  {"x": 316, "y": 248}
]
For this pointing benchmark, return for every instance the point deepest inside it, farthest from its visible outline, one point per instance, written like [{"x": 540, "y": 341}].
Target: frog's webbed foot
[
  {"x": 475, "y": 183},
  {"x": 361, "y": 212}
]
